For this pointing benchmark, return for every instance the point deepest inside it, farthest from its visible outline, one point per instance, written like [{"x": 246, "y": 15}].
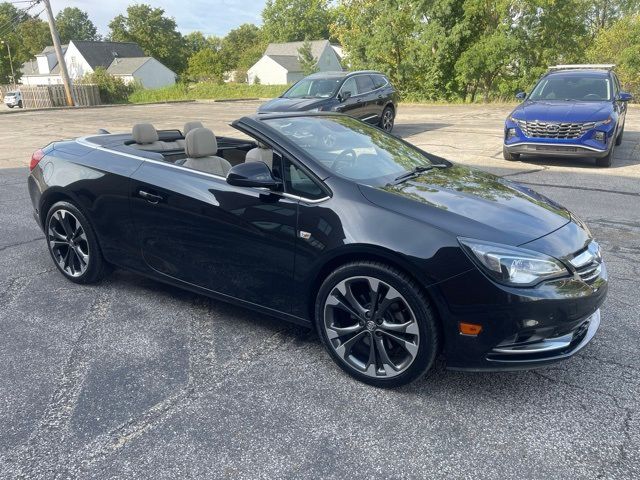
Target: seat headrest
[
  {"x": 144, "y": 133},
  {"x": 191, "y": 126},
  {"x": 200, "y": 142}
]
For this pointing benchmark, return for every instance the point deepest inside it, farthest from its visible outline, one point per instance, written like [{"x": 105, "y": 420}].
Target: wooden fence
[{"x": 49, "y": 96}]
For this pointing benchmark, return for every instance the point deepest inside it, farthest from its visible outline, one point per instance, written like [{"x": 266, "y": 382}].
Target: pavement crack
[
  {"x": 11, "y": 245},
  {"x": 44, "y": 447},
  {"x": 587, "y": 189}
]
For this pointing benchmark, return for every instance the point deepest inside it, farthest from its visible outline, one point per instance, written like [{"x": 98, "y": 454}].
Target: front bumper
[
  {"x": 516, "y": 142},
  {"x": 522, "y": 328},
  {"x": 555, "y": 150}
]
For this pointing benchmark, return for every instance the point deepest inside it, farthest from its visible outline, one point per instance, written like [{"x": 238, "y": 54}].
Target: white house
[
  {"x": 280, "y": 63},
  {"x": 121, "y": 59}
]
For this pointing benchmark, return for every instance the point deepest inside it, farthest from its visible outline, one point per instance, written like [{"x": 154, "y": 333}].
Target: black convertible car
[{"x": 392, "y": 254}]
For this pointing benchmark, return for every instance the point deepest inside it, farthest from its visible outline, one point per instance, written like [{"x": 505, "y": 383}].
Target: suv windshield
[
  {"x": 572, "y": 87},
  {"x": 316, "y": 88},
  {"x": 350, "y": 148}
]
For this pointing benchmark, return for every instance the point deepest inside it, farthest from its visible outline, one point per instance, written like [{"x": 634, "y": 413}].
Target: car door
[
  {"x": 196, "y": 228},
  {"x": 354, "y": 105},
  {"x": 366, "y": 91},
  {"x": 620, "y": 106}
]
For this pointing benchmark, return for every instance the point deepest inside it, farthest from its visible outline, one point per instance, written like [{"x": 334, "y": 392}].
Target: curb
[{"x": 86, "y": 107}]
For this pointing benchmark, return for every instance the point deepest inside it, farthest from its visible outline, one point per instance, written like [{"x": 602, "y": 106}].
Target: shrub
[{"x": 112, "y": 89}]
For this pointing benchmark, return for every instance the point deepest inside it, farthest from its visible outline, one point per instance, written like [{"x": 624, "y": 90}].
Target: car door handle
[
  {"x": 359, "y": 100},
  {"x": 379, "y": 96},
  {"x": 150, "y": 197}
]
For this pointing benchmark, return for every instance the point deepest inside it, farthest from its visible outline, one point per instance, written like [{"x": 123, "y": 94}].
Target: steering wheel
[{"x": 348, "y": 157}]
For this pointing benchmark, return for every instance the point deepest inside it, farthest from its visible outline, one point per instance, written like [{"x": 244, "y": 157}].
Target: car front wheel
[
  {"x": 387, "y": 119},
  {"x": 377, "y": 324},
  {"x": 73, "y": 244},
  {"x": 512, "y": 157}
]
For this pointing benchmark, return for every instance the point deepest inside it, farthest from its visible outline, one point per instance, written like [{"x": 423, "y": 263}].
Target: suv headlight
[
  {"x": 512, "y": 265},
  {"x": 604, "y": 122}
]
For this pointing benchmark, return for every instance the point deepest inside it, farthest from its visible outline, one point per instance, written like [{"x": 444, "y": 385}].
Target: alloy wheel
[
  {"x": 68, "y": 243},
  {"x": 387, "y": 120},
  {"x": 371, "y": 327}
]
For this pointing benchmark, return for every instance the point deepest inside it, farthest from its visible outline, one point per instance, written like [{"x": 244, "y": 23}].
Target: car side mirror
[
  {"x": 521, "y": 95},
  {"x": 625, "y": 97},
  {"x": 253, "y": 174},
  {"x": 344, "y": 96}
]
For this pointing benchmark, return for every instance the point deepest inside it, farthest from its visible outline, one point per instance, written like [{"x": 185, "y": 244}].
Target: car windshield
[
  {"x": 572, "y": 87},
  {"x": 313, "y": 88},
  {"x": 11, "y": 94},
  {"x": 352, "y": 149}
]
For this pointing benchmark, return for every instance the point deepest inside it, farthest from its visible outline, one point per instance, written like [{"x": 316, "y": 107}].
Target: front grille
[
  {"x": 537, "y": 129},
  {"x": 589, "y": 273}
]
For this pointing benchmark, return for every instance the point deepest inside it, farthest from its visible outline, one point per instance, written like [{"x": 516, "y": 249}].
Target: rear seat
[
  {"x": 146, "y": 137},
  {"x": 187, "y": 128}
]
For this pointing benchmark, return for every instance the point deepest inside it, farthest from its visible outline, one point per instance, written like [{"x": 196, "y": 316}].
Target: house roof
[
  {"x": 126, "y": 66},
  {"x": 291, "y": 48},
  {"x": 101, "y": 54},
  {"x": 289, "y": 62},
  {"x": 97, "y": 54}
]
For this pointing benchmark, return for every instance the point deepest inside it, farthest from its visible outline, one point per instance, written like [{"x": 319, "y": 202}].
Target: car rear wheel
[
  {"x": 606, "y": 161},
  {"x": 512, "y": 157},
  {"x": 73, "y": 244},
  {"x": 376, "y": 324},
  {"x": 387, "y": 119}
]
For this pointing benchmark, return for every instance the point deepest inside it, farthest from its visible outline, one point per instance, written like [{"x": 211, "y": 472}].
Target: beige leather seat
[
  {"x": 201, "y": 147},
  {"x": 260, "y": 154},
  {"x": 146, "y": 137},
  {"x": 187, "y": 128}
]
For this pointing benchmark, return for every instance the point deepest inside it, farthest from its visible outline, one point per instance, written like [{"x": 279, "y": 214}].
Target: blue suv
[{"x": 573, "y": 111}]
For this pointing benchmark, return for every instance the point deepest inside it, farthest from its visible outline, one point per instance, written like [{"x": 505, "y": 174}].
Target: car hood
[
  {"x": 290, "y": 104},
  {"x": 559, "y": 111},
  {"x": 470, "y": 203}
]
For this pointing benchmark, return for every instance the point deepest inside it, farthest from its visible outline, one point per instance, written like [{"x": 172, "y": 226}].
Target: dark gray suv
[{"x": 366, "y": 95}]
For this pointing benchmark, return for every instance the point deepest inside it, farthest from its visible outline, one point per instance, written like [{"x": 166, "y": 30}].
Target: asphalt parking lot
[{"x": 135, "y": 379}]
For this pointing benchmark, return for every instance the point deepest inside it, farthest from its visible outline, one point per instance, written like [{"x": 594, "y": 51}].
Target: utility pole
[
  {"x": 56, "y": 45},
  {"x": 13, "y": 74}
]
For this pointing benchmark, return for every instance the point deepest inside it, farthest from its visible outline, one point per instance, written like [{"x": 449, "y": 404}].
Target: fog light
[
  {"x": 511, "y": 132},
  {"x": 600, "y": 137},
  {"x": 469, "y": 328}
]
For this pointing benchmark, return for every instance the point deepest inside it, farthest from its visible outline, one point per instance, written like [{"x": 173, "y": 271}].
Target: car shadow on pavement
[{"x": 404, "y": 130}]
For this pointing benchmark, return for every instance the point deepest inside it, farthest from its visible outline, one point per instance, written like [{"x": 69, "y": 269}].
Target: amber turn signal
[{"x": 469, "y": 328}]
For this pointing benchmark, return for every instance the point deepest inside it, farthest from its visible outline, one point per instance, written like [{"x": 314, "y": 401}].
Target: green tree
[
  {"x": 308, "y": 63},
  {"x": 194, "y": 42},
  {"x": 243, "y": 46},
  {"x": 603, "y": 13},
  {"x": 620, "y": 44},
  {"x": 206, "y": 65},
  {"x": 156, "y": 34},
  {"x": 295, "y": 20},
  {"x": 25, "y": 35},
  {"x": 112, "y": 89},
  {"x": 74, "y": 24}
]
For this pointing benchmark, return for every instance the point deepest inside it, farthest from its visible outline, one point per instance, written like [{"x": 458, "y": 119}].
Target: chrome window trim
[
  {"x": 87, "y": 143},
  {"x": 359, "y": 94}
]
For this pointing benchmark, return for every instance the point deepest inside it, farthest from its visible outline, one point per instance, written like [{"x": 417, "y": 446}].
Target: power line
[{"x": 12, "y": 22}]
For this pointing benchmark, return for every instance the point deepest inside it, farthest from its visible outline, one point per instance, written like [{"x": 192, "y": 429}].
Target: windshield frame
[{"x": 323, "y": 171}]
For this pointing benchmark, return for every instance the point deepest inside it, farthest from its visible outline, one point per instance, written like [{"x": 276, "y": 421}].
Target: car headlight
[
  {"x": 604, "y": 122},
  {"x": 512, "y": 265},
  {"x": 514, "y": 119}
]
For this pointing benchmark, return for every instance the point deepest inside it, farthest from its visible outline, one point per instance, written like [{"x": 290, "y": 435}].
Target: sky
[{"x": 212, "y": 17}]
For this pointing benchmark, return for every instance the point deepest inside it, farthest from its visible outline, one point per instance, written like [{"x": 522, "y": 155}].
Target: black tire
[
  {"x": 387, "y": 119},
  {"x": 20, "y": 103},
  {"x": 606, "y": 161},
  {"x": 619, "y": 137},
  {"x": 10, "y": 106},
  {"x": 512, "y": 157},
  {"x": 80, "y": 261},
  {"x": 423, "y": 335}
]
